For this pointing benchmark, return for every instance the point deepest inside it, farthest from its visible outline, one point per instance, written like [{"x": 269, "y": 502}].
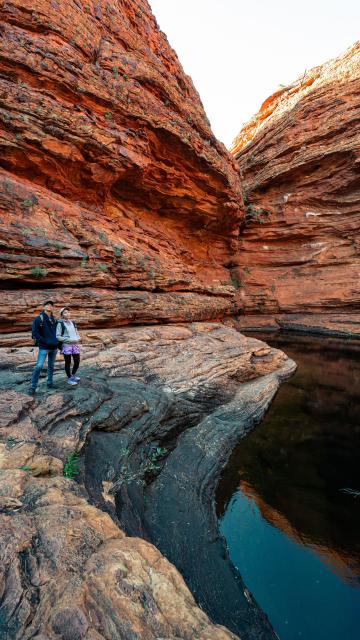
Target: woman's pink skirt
[{"x": 70, "y": 349}]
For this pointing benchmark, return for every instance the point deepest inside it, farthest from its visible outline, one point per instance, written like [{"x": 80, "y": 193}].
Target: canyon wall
[
  {"x": 116, "y": 198},
  {"x": 111, "y": 180},
  {"x": 298, "y": 262}
]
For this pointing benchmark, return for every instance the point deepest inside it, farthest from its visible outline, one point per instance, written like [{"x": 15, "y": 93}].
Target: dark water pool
[{"x": 286, "y": 501}]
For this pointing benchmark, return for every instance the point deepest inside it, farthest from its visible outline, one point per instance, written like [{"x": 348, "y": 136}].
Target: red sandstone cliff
[
  {"x": 116, "y": 198},
  {"x": 299, "y": 158},
  {"x": 111, "y": 179}
]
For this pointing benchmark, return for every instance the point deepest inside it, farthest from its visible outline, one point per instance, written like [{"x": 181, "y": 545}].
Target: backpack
[
  {"x": 60, "y": 344},
  {"x": 39, "y": 328}
]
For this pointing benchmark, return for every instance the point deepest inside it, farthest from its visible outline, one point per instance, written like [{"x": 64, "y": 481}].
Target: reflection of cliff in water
[{"x": 296, "y": 463}]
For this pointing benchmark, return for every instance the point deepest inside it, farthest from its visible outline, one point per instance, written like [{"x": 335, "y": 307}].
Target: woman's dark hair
[{"x": 64, "y": 309}]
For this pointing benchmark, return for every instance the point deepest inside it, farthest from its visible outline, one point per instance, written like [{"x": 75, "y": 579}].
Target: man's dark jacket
[{"x": 44, "y": 331}]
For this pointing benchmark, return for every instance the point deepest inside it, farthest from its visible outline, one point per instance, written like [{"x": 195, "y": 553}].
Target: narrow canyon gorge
[{"x": 117, "y": 200}]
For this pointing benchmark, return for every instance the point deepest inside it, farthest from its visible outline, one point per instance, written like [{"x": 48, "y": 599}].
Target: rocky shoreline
[
  {"x": 346, "y": 325},
  {"x": 68, "y": 569}
]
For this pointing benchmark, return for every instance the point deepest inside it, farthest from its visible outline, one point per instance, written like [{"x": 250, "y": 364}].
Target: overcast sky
[{"x": 239, "y": 51}]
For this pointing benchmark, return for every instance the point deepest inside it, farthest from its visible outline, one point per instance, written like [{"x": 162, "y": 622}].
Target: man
[{"x": 44, "y": 333}]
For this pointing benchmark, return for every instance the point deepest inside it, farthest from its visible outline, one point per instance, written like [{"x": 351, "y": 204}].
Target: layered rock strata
[
  {"x": 110, "y": 175},
  {"x": 67, "y": 568},
  {"x": 117, "y": 199},
  {"x": 299, "y": 251}
]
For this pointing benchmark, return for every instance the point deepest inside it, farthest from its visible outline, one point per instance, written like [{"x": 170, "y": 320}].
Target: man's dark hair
[{"x": 48, "y": 302}]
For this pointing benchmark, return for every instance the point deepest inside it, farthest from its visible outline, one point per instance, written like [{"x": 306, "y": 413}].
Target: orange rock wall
[
  {"x": 110, "y": 176},
  {"x": 299, "y": 158}
]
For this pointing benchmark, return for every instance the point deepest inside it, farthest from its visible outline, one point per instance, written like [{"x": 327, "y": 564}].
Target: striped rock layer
[
  {"x": 299, "y": 157},
  {"x": 110, "y": 175}
]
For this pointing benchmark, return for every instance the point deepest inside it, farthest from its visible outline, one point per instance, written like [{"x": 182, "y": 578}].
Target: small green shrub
[
  {"x": 28, "y": 202},
  {"x": 153, "y": 458},
  {"x": 148, "y": 468},
  {"x": 71, "y": 466},
  {"x": 38, "y": 272},
  {"x": 117, "y": 250},
  {"x": 235, "y": 281},
  {"x": 102, "y": 267},
  {"x": 255, "y": 214},
  {"x": 103, "y": 237}
]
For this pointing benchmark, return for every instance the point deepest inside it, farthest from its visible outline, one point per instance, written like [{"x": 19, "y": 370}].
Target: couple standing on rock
[{"x": 50, "y": 335}]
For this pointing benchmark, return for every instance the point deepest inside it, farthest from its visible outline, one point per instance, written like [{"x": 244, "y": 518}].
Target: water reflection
[{"x": 285, "y": 481}]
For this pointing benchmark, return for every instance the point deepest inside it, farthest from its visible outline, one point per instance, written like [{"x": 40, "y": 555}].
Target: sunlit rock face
[
  {"x": 299, "y": 160},
  {"x": 110, "y": 174}
]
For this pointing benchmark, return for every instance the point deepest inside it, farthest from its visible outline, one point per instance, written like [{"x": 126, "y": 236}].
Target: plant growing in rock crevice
[
  {"x": 71, "y": 466},
  {"x": 235, "y": 281},
  {"x": 103, "y": 237},
  {"x": 117, "y": 250},
  {"x": 143, "y": 474},
  {"x": 103, "y": 267},
  {"x": 252, "y": 213},
  {"x": 255, "y": 214},
  {"x": 38, "y": 272}
]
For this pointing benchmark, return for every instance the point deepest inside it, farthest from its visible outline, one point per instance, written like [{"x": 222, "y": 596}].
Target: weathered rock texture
[
  {"x": 115, "y": 198},
  {"x": 67, "y": 569},
  {"x": 299, "y": 158},
  {"x": 110, "y": 175}
]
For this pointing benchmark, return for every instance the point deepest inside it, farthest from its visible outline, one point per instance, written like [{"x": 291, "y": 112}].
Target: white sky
[{"x": 239, "y": 51}]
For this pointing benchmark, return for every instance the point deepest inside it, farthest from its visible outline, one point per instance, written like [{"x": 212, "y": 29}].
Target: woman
[{"x": 67, "y": 334}]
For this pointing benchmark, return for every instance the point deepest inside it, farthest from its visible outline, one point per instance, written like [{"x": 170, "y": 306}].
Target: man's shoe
[
  {"x": 76, "y": 378},
  {"x": 32, "y": 391},
  {"x": 72, "y": 382}
]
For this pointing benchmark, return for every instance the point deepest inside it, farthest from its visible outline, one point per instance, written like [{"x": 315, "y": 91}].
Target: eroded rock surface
[
  {"x": 299, "y": 251},
  {"x": 115, "y": 198},
  {"x": 110, "y": 176},
  {"x": 67, "y": 567}
]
